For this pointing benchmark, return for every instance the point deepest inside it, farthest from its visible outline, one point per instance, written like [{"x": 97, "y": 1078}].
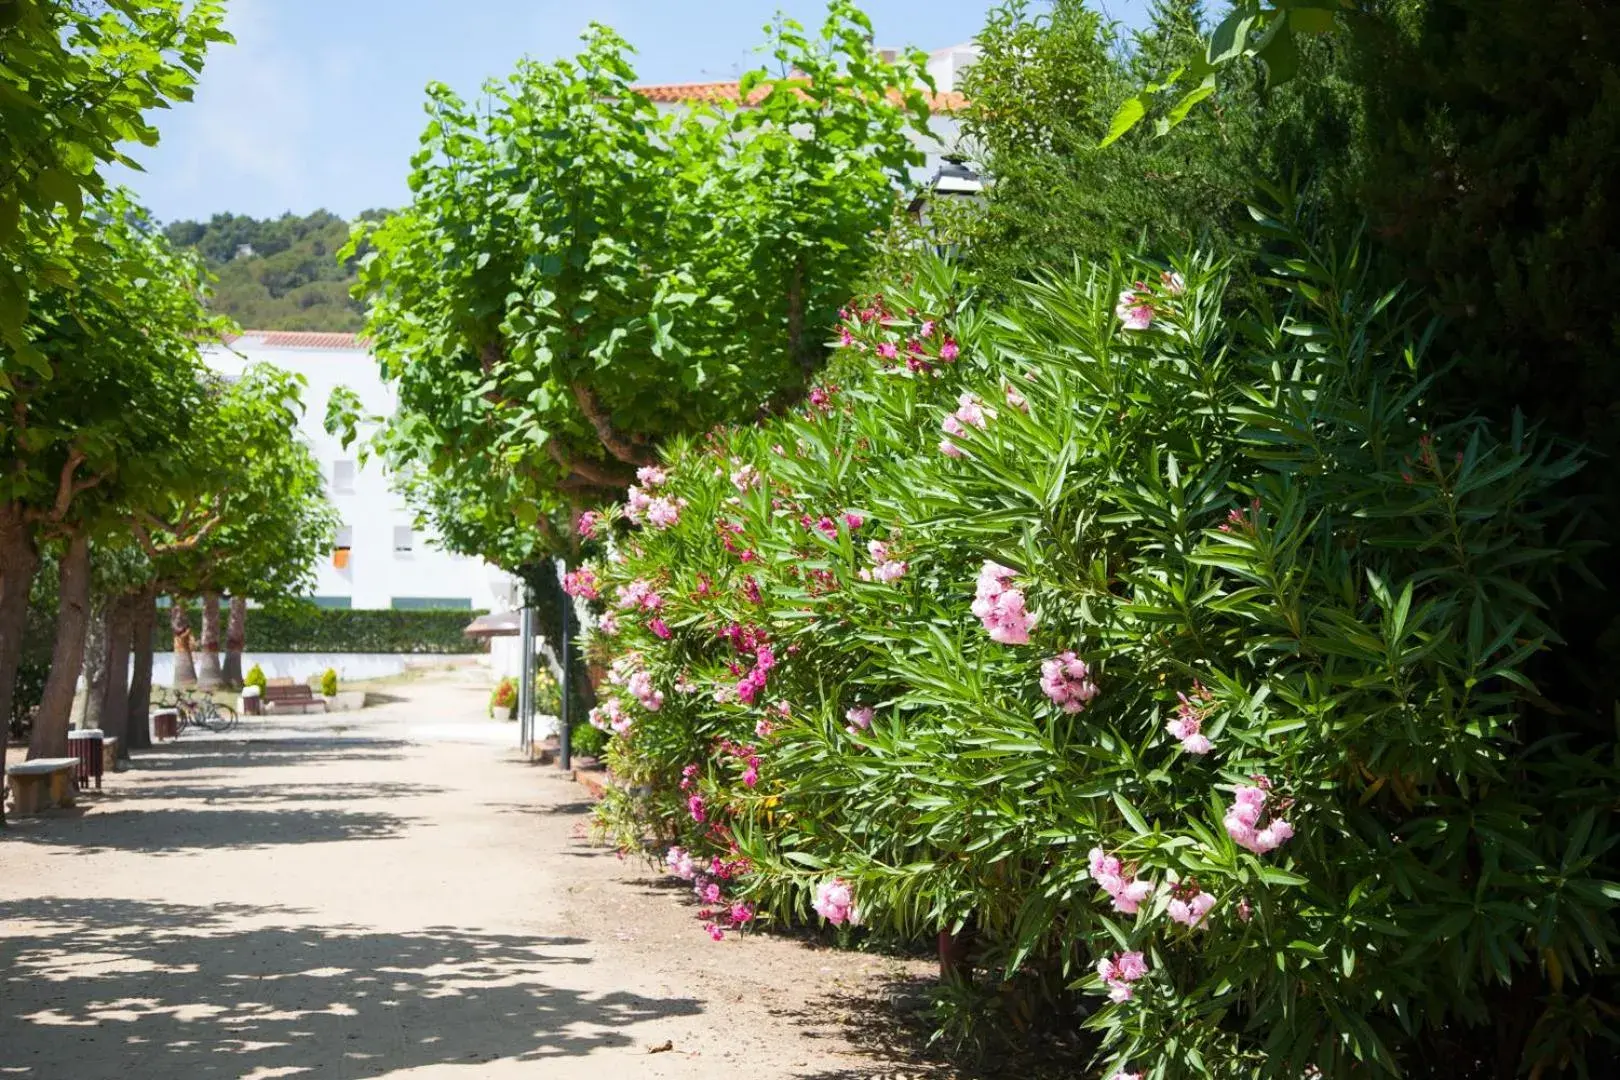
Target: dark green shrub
[
  {"x": 586, "y": 741},
  {"x": 305, "y": 628},
  {"x": 1255, "y": 525}
]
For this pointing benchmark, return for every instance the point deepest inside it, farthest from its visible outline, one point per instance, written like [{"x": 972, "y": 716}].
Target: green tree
[
  {"x": 75, "y": 88},
  {"x": 100, "y": 408},
  {"x": 579, "y": 277}
]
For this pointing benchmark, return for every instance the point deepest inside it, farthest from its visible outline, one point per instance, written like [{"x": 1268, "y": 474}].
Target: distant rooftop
[{"x": 299, "y": 339}]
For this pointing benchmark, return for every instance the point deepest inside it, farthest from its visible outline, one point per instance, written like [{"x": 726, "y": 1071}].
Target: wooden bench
[
  {"x": 298, "y": 697},
  {"x": 42, "y": 784}
]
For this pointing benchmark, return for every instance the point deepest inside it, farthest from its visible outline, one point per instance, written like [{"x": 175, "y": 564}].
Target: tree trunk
[
  {"x": 19, "y": 559},
  {"x": 208, "y": 675},
  {"x": 235, "y": 638},
  {"x": 142, "y": 633},
  {"x": 67, "y": 658},
  {"x": 88, "y": 714},
  {"x": 115, "y": 693},
  {"x": 185, "y": 667}
]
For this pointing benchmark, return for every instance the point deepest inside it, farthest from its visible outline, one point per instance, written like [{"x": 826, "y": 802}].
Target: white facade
[{"x": 389, "y": 563}]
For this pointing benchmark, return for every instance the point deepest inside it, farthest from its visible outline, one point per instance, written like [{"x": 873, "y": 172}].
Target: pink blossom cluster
[
  {"x": 746, "y": 478},
  {"x": 1243, "y": 818},
  {"x": 754, "y": 682},
  {"x": 1066, "y": 679},
  {"x": 1126, "y": 889},
  {"x": 680, "y": 863},
  {"x": 1000, "y": 606},
  {"x": 885, "y": 567},
  {"x": 651, "y": 476},
  {"x": 581, "y": 583},
  {"x": 664, "y": 511},
  {"x": 1188, "y": 723},
  {"x": 970, "y": 412},
  {"x": 835, "y": 902},
  {"x": 1190, "y": 907},
  {"x": 1120, "y": 971},
  {"x": 610, "y": 716},
  {"x": 1015, "y": 400},
  {"x": 607, "y": 624},
  {"x": 821, "y": 399},
  {"x": 587, "y": 524},
  {"x": 641, "y": 688},
  {"x": 860, "y": 718},
  {"x": 1136, "y": 304},
  {"x": 638, "y": 594}
]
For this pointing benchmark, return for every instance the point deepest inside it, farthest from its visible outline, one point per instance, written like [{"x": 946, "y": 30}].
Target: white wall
[{"x": 376, "y": 574}]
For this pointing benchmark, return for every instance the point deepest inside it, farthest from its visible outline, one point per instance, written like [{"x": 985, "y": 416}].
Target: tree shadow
[
  {"x": 109, "y": 989},
  {"x": 181, "y": 757},
  {"x": 229, "y": 791},
  {"x": 181, "y": 831}
]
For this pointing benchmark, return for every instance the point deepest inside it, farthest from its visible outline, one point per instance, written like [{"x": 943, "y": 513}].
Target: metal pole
[
  {"x": 566, "y": 750},
  {"x": 526, "y": 677}
]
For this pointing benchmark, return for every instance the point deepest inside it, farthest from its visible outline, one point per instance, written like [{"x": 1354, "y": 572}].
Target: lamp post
[{"x": 955, "y": 181}]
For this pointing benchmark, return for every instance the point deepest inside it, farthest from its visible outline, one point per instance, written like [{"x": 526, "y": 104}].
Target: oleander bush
[{"x": 1165, "y": 656}]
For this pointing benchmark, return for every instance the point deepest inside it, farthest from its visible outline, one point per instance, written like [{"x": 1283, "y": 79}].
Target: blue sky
[{"x": 319, "y": 102}]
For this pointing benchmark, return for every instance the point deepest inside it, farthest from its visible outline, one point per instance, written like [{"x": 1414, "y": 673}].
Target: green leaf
[{"x": 1125, "y": 118}]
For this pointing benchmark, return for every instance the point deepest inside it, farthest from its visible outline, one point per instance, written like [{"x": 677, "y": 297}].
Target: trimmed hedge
[{"x": 309, "y": 629}]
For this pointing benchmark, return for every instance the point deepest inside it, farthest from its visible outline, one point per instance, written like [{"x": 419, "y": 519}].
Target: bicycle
[{"x": 197, "y": 708}]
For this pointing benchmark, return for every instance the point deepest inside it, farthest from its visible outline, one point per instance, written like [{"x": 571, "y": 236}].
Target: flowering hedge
[{"x": 1166, "y": 658}]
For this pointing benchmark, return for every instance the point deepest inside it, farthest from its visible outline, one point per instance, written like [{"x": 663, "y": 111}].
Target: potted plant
[
  {"x": 503, "y": 700},
  {"x": 253, "y": 684}
]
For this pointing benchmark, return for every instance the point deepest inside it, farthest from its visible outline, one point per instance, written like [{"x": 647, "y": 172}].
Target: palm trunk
[
  {"x": 235, "y": 639},
  {"x": 67, "y": 658},
  {"x": 115, "y": 691},
  {"x": 88, "y": 713},
  {"x": 208, "y": 674},
  {"x": 185, "y": 666},
  {"x": 142, "y": 633},
  {"x": 19, "y": 560}
]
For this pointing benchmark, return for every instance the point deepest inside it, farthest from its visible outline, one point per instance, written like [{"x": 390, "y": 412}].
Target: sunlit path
[{"x": 396, "y": 895}]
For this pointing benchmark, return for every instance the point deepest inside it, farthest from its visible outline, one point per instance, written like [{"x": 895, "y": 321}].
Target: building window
[
  {"x": 340, "y": 550},
  {"x": 421, "y": 603},
  {"x": 343, "y": 602},
  {"x": 343, "y": 477},
  {"x": 404, "y": 540}
]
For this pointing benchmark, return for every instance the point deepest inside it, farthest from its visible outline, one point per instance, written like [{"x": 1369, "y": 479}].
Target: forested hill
[{"x": 280, "y": 273}]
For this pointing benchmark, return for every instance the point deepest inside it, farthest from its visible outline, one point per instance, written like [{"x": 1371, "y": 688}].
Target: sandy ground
[{"x": 388, "y": 893}]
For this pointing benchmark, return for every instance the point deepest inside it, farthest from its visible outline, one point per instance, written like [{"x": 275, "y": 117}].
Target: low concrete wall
[{"x": 302, "y": 666}]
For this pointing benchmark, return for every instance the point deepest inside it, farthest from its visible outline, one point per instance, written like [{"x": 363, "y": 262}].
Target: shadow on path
[{"x": 124, "y": 988}]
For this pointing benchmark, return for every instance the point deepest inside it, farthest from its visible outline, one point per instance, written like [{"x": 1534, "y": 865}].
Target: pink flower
[
  {"x": 1001, "y": 607},
  {"x": 641, "y": 688},
  {"x": 888, "y": 350},
  {"x": 1243, "y": 821},
  {"x": 636, "y": 502},
  {"x": 1174, "y": 283},
  {"x": 588, "y": 522},
  {"x": 661, "y": 629},
  {"x": 878, "y": 550},
  {"x": 1066, "y": 679},
  {"x": 1187, "y": 726},
  {"x": 835, "y": 902},
  {"x": 860, "y": 718},
  {"x": 1192, "y": 911},
  {"x": 740, "y": 913},
  {"x": 581, "y": 583},
  {"x": 750, "y": 775},
  {"x": 715, "y": 932},
  {"x": 1016, "y": 400},
  {"x": 949, "y": 351},
  {"x": 651, "y": 476},
  {"x": 709, "y": 893},
  {"x": 827, "y": 527},
  {"x": 970, "y": 410},
  {"x": 694, "y": 806},
  {"x": 1126, "y": 1076},
  {"x": 845, "y": 338},
  {"x": 1127, "y": 891},
  {"x": 890, "y": 571},
  {"x": 1120, "y": 971},
  {"x": 745, "y": 478},
  {"x": 950, "y": 449},
  {"x": 664, "y": 512},
  {"x": 852, "y": 520},
  {"x": 1135, "y": 309},
  {"x": 679, "y": 861}
]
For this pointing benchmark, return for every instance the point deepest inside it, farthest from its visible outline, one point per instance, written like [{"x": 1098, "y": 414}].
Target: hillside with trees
[{"x": 277, "y": 273}]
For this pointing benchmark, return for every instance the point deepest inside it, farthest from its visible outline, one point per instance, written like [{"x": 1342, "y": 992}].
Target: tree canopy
[{"x": 580, "y": 276}]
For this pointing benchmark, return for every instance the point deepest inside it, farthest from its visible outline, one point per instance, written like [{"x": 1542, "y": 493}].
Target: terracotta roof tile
[
  {"x": 302, "y": 339},
  {"x": 680, "y": 93}
]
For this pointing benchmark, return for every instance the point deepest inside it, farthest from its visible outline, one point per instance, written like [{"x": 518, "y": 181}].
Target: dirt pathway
[{"x": 399, "y": 896}]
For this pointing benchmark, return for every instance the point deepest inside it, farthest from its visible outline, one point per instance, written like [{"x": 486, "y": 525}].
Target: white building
[{"x": 381, "y": 559}]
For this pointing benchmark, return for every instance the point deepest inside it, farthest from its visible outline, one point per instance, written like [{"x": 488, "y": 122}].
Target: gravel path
[{"x": 392, "y": 893}]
